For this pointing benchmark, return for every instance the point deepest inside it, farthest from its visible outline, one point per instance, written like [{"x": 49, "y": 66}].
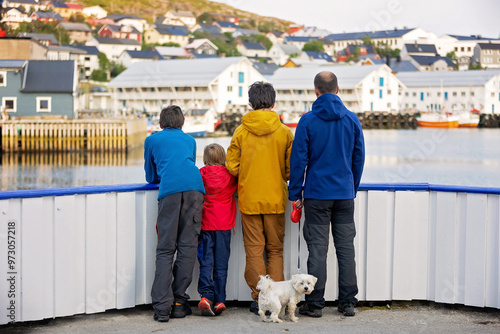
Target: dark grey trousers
[
  {"x": 179, "y": 225},
  {"x": 320, "y": 214}
]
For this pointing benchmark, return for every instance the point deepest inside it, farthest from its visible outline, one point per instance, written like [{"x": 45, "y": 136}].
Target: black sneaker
[
  {"x": 161, "y": 316},
  {"x": 254, "y": 308},
  {"x": 180, "y": 310},
  {"x": 306, "y": 310},
  {"x": 347, "y": 309}
]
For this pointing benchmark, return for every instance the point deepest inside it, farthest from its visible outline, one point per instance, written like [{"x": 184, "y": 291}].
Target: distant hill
[{"x": 150, "y": 9}]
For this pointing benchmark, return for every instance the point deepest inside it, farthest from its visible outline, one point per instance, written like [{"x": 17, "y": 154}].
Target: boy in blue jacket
[
  {"x": 329, "y": 144},
  {"x": 170, "y": 160}
]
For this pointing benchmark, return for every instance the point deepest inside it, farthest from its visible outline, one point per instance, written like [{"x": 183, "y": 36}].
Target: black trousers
[
  {"x": 319, "y": 215},
  {"x": 179, "y": 225}
]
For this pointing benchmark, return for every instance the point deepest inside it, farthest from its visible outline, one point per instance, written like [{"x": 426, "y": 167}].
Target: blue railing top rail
[{"x": 30, "y": 193}]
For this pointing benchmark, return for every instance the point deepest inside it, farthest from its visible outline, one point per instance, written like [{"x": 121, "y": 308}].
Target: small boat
[
  {"x": 468, "y": 119},
  {"x": 437, "y": 120},
  {"x": 197, "y": 122}
]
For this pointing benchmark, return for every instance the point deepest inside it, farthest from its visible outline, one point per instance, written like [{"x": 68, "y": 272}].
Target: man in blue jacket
[
  {"x": 170, "y": 160},
  {"x": 328, "y": 144}
]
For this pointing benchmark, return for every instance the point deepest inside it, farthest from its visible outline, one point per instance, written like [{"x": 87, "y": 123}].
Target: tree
[
  {"x": 104, "y": 63},
  {"x": 117, "y": 68},
  {"x": 150, "y": 46},
  {"x": 366, "y": 40},
  {"x": 205, "y": 18},
  {"x": 314, "y": 45},
  {"x": 452, "y": 55},
  {"x": 77, "y": 17},
  {"x": 266, "y": 27},
  {"x": 262, "y": 39},
  {"x": 99, "y": 75},
  {"x": 395, "y": 53}
]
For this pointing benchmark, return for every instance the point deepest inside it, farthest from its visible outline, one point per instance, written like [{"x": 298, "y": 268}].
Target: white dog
[{"x": 276, "y": 296}]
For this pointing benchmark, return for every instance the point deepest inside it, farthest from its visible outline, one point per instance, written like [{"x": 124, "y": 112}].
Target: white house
[
  {"x": 218, "y": 83},
  {"x": 394, "y": 38},
  {"x": 202, "y": 46},
  {"x": 113, "y": 47},
  {"x": 180, "y": 17},
  {"x": 87, "y": 61},
  {"x": 129, "y": 20},
  {"x": 451, "y": 91},
  {"x": 128, "y": 57},
  {"x": 27, "y": 4},
  {"x": 463, "y": 46},
  {"x": 95, "y": 12},
  {"x": 248, "y": 49},
  {"x": 362, "y": 88},
  {"x": 280, "y": 53},
  {"x": 13, "y": 16}
]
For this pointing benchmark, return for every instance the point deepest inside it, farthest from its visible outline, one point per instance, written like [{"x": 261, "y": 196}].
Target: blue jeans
[
  {"x": 320, "y": 214},
  {"x": 214, "y": 248}
]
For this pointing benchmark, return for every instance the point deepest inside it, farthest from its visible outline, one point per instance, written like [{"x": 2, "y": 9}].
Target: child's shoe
[
  {"x": 206, "y": 308},
  {"x": 219, "y": 308}
]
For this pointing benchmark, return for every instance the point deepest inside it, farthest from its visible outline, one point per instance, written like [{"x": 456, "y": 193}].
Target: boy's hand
[{"x": 298, "y": 204}]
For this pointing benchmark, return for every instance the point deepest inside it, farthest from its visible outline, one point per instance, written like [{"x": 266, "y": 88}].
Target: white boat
[
  {"x": 197, "y": 122},
  {"x": 468, "y": 119},
  {"x": 437, "y": 120}
]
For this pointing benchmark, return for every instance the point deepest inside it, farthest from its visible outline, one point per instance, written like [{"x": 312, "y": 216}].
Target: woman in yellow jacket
[{"x": 259, "y": 155}]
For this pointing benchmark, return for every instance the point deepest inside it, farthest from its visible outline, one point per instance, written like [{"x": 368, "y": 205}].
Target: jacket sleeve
[
  {"x": 233, "y": 156},
  {"x": 358, "y": 157},
  {"x": 150, "y": 165},
  {"x": 298, "y": 162}
]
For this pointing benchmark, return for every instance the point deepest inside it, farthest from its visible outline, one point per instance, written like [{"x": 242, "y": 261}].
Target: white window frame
[
  {"x": 14, "y": 98},
  {"x": 41, "y": 98},
  {"x": 4, "y": 76}
]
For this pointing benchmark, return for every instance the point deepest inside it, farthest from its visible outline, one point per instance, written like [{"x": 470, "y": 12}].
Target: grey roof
[
  {"x": 266, "y": 68},
  {"x": 66, "y": 48},
  {"x": 224, "y": 24},
  {"x": 91, "y": 50},
  {"x": 424, "y": 48},
  {"x": 299, "y": 39},
  {"x": 178, "y": 72},
  {"x": 118, "y": 17},
  {"x": 11, "y": 63},
  {"x": 38, "y": 73},
  {"x": 59, "y": 5},
  {"x": 144, "y": 54},
  {"x": 447, "y": 78},
  {"x": 489, "y": 46},
  {"x": 402, "y": 66},
  {"x": 289, "y": 48},
  {"x": 122, "y": 41},
  {"x": 28, "y": 2},
  {"x": 253, "y": 46},
  {"x": 49, "y": 15},
  {"x": 372, "y": 34},
  {"x": 71, "y": 26},
  {"x": 302, "y": 77},
  {"x": 40, "y": 37},
  {"x": 165, "y": 29},
  {"x": 118, "y": 28},
  {"x": 429, "y": 60},
  {"x": 319, "y": 55},
  {"x": 471, "y": 38}
]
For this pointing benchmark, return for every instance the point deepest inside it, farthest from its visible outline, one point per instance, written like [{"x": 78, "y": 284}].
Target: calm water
[{"x": 468, "y": 157}]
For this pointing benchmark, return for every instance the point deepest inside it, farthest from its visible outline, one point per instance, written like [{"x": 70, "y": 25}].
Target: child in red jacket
[{"x": 219, "y": 214}]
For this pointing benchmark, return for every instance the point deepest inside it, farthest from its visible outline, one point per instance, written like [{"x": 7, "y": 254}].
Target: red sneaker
[
  {"x": 219, "y": 308},
  {"x": 205, "y": 306}
]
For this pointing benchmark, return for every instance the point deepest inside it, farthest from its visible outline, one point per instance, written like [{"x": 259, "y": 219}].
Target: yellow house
[{"x": 167, "y": 34}]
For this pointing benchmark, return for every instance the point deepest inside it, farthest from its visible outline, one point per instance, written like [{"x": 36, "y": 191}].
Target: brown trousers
[{"x": 263, "y": 235}]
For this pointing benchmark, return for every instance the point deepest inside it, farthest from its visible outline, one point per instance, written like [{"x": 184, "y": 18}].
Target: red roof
[{"x": 74, "y": 6}]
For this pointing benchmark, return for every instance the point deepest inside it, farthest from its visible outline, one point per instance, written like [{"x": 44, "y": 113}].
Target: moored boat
[
  {"x": 437, "y": 120},
  {"x": 291, "y": 119},
  {"x": 468, "y": 119}
]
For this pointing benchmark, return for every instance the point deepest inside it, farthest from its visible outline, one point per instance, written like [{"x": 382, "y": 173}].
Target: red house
[{"x": 120, "y": 31}]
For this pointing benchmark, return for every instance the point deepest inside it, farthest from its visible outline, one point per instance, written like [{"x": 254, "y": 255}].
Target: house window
[
  {"x": 229, "y": 88},
  {"x": 454, "y": 93},
  {"x": 438, "y": 94},
  {"x": 241, "y": 77},
  {"x": 380, "y": 93},
  {"x": 3, "y": 79},
  {"x": 414, "y": 94},
  {"x": 471, "y": 94},
  {"x": 421, "y": 96},
  {"x": 389, "y": 92},
  {"x": 407, "y": 94},
  {"x": 371, "y": 91},
  {"x": 240, "y": 91},
  {"x": 446, "y": 95},
  {"x": 381, "y": 82},
  {"x": 9, "y": 103},
  {"x": 43, "y": 104},
  {"x": 463, "y": 94}
]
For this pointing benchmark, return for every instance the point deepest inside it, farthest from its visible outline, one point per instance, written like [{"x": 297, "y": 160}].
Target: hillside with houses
[{"x": 115, "y": 42}]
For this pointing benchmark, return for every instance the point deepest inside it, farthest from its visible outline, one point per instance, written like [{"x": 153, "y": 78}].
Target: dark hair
[
  {"x": 326, "y": 82},
  {"x": 261, "y": 95},
  {"x": 214, "y": 155},
  {"x": 171, "y": 117}
]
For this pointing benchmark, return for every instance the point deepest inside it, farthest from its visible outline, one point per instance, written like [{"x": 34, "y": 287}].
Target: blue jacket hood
[{"x": 329, "y": 107}]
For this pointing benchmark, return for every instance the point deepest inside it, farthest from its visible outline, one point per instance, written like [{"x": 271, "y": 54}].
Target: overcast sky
[{"x": 458, "y": 17}]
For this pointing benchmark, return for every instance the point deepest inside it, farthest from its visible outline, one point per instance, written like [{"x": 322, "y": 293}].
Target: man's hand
[{"x": 298, "y": 204}]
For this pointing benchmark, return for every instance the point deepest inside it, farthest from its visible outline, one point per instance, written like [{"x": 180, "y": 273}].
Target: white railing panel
[
  {"x": 475, "y": 249},
  {"x": 379, "y": 258},
  {"x": 125, "y": 249},
  {"x": 140, "y": 248},
  {"x": 37, "y": 267},
  {"x": 445, "y": 279},
  {"x": 492, "y": 279},
  {"x": 108, "y": 295},
  {"x": 410, "y": 245},
  {"x": 361, "y": 221},
  {"x": 150, "y": 240},
  {"x": 69, "y": 257},
  {"x": 10, "y": 284},
  {"x": 95, "y": 283}
]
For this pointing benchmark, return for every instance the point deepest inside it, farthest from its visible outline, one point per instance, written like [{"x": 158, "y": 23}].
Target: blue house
[{"x": 38, "y": 87}]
